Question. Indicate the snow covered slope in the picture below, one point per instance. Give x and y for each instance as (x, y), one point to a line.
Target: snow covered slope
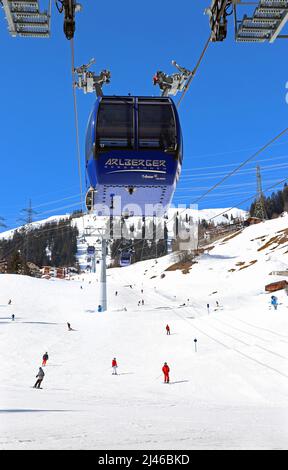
(230, 394)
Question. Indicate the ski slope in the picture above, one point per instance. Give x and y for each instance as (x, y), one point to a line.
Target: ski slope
(230, 394)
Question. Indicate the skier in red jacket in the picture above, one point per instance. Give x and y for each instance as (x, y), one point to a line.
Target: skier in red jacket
(114, 366)
(166, 370)
(168, 329)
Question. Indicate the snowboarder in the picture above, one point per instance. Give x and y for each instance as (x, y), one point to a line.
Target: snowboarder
(114, 366)
(40, 376)
(167, 329)
(45, 359)
(10, 302)
(13, 317)
(166, 370)
(69, 327)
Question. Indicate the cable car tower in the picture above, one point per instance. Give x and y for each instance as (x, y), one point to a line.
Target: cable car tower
(25, 18)
(264, 24)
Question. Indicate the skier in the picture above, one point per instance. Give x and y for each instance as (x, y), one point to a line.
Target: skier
(217, 304)
(208, 307)
(114, 366)
(40, 376)
(116, 293)
(142, 302)
(139, 303)
(167, 329)
(166, 370)
(45, 359)
(13, 317)
(99, 308)
(274, 302)
(141, 291)
(69, 327)
(10, 302)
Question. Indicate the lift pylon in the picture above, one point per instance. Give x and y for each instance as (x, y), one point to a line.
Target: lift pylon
(25, 19)
(265, 24)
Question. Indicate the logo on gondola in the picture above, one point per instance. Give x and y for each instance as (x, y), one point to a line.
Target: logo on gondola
(135, 163)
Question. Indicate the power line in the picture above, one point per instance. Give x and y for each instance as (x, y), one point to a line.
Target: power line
(230, 152)
(241, 165)
(247, 171)
(227, 186)
(249, 198)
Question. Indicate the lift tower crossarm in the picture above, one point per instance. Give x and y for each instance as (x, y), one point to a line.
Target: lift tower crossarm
(25, 19)
(266, 23)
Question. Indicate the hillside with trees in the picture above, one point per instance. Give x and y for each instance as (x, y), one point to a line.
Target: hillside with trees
(52, 244)
(274, 205)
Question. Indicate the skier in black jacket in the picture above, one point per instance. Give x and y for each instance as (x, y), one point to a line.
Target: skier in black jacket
(40, 376)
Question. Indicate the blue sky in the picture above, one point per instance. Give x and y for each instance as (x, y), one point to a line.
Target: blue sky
(235, 104)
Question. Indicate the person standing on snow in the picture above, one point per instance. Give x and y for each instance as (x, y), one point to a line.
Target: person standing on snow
(166, 370)
(114, 366)
(167, 329)
(40, 376)
(13, 317)
(45, 359)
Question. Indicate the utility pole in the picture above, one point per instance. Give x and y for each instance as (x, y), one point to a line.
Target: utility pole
(27, 218)
(259, 210)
